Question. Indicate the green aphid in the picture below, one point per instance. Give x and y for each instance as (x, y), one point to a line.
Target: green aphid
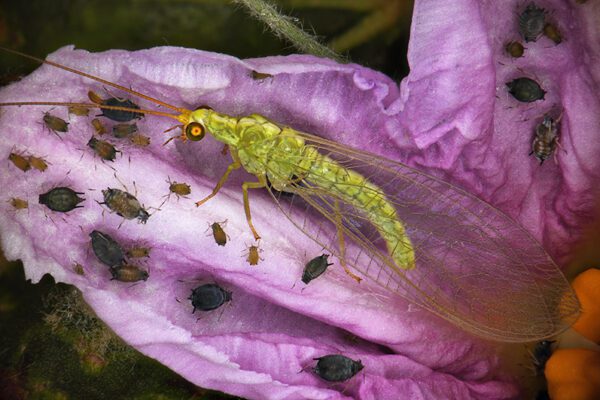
(123, 130)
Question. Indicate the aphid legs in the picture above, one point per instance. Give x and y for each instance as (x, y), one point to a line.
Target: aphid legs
(342, 242)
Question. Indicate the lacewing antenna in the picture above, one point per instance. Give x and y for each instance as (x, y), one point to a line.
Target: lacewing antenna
(180, 110)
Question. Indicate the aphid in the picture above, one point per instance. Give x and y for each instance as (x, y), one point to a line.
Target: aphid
(124, 204)
(116, 115)
(124, 130)
(180, 189)
(18, 204)
(336, 367)
(218, 233)
(552, 33)
(38, 163)
(541, 354)
(253, 256)
(515, 49)
(128, 273)
(138, 252)
(20, 162)
(61, 199)
(208, 297)
(106, 249)
(79, 111)
(78, 269)
(416, 236)
(139, 140)
(55, 124)
(98, 126)
(103, 149)
(259, 76)
(531, 22)
(546, 139)
(525, 90)
(315, 267)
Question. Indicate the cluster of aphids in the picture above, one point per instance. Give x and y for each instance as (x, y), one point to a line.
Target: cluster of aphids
(64, 199)
(534, 23)
(111, 254)
(123, 129)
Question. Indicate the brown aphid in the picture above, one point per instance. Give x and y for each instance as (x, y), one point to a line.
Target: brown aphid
(139, 140)
(128, 273)
(259, 76)
(95, 98)
(98, 126)
(55, 124)
(79, 111)
(179, 189)
(78, 269)
(552, 33)
(103, 149)
(123, 130)
(124, 204)
(514, 49)
(218, 233)
(20, 162)
(546, 139)
(18, 204)
(253, 256)
(38, 163)
(138, 252)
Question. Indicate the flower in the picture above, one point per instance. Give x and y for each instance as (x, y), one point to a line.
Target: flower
(451, 116)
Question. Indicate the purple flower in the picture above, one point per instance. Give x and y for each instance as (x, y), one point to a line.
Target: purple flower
(451, 117)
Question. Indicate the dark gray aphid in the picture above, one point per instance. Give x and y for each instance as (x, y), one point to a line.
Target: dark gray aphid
(531, 22)
(124, 204)
(128, 273)
(336, 367)
(315, 268)
(541, 354)
(208, 297)
(525, 90)
(61, 199)
(120, 115)
(107, 249)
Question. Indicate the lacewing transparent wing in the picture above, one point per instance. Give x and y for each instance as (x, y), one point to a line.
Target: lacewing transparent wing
(475, 266)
